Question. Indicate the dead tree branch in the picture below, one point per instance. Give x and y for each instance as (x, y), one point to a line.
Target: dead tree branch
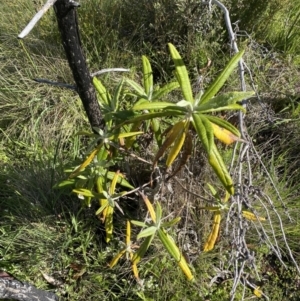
(66, 15)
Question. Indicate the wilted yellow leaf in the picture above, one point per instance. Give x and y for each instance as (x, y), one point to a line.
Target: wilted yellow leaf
(176, 130)
(116, 258)
(176, 148)
(149, 207)
(210, 243)
(252, 217)
(257, 292)
(224, 135)
(186, 153)
(89, 159)
(109, 223)
(135, 271)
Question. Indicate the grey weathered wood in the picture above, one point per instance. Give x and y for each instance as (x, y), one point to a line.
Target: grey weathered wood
(16, 290)
(36, 18)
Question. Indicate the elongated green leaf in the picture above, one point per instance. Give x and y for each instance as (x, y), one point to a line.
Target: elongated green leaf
(169, 244)
(103, 93)
(101, 208)
(114, 103)
(158, 105)
(224, 124)
(148, 116)
(213, 191)
(173, 250)
(181, 74)
(65, 183)
(204, 130)
(124, 135)
(216, 162)
(227, 101)
(219, 82)
(138, 223)
(142, 249)
(88, 193)
(84, 192)
(109, 223)
(171, 223)
(147, 76)
(138, 89)
(121, 116)
(233, 107)
(102, 154)
(140, 101)
(158, 212)
(147, 232)
(85, 133)
(121, 180)
(155, 125)
(157, 94)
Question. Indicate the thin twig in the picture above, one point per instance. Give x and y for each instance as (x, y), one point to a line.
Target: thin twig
(192, 193)
(56, 84)
(36, 18)
(109, 70)
(73, 87)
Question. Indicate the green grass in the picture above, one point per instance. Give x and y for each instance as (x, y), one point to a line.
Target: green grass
(46, 231)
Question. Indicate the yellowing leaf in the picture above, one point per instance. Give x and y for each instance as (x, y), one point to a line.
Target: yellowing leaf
(116, 258)
(252, 217)
(150, 208)
(176, 130)
(210, 243)
(128, 233)
(86, 162)
(227, 196)
(142, 250)
(135, 271)
(224, 135)
(114, 183)
(176, 148)
(186, 270)
(186, 153)
(257, 292)
(109, 223)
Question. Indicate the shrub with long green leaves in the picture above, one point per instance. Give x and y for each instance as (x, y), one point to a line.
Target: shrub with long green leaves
(92, 179)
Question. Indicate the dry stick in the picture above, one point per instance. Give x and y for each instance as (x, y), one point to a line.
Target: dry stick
(240, 239)
(73, 87)
(192, 193)
(109, 70)
(55, 84)
(36, 18)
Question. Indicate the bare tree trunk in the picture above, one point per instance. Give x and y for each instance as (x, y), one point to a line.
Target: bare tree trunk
(16, 290)
(67, 22)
